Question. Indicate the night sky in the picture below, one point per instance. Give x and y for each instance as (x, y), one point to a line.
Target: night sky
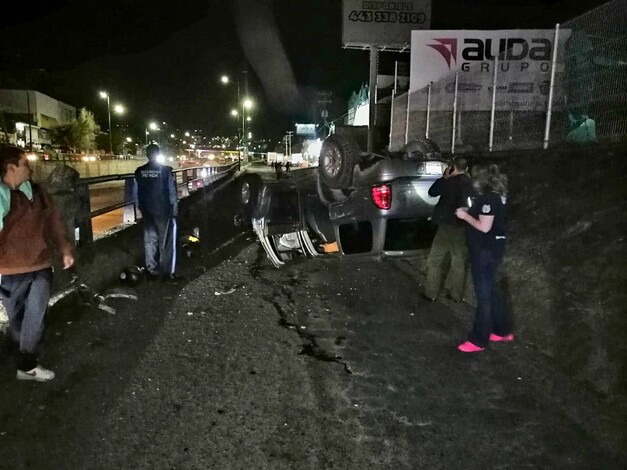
(163, 59)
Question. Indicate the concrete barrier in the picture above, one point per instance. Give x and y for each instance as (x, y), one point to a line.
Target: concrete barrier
(99, 263)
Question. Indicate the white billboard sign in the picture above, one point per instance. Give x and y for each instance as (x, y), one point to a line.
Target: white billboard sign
(523, 71)
(383, 23)
(305, 129)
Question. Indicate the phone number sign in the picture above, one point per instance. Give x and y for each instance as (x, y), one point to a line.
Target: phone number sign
(383, 24)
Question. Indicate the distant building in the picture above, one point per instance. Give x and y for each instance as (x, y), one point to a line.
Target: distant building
(27, 116)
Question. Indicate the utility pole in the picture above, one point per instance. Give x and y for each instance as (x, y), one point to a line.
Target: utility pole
(324, 98)
(288, 142)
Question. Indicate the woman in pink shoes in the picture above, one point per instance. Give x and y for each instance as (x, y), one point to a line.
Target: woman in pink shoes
(485, 235)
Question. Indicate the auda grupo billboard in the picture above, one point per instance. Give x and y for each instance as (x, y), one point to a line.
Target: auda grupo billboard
(523, 70)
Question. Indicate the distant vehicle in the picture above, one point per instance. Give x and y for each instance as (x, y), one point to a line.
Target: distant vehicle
(353, 204)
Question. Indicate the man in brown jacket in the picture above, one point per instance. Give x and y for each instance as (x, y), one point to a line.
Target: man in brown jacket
(30, 227)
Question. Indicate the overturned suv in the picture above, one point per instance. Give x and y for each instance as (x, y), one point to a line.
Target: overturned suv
(354, 203)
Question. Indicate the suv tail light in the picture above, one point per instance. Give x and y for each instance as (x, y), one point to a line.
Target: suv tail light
(382, 196)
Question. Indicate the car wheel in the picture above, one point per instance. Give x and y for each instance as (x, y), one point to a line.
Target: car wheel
(249, 193)
(338, 156)
(422, 149)
(329, 196)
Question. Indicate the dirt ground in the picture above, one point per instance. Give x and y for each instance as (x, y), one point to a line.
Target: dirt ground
(566, 259)
(564, 271)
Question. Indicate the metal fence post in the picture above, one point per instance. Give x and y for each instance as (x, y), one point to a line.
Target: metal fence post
(84, 232)
(496, 67)
(454, 113)
(428, 110)
(391, 118)
(407, 117)
(185, 183)
(130, 195)
(549, 111)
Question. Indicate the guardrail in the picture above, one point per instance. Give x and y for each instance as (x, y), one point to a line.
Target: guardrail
(188, 181)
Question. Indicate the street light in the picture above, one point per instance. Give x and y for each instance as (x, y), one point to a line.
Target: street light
(153, 127)
(246, 104)
(105, 95)
(118, 108)
(226, 80)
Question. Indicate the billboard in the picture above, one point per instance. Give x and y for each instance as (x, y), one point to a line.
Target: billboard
(383, 23)
(523, 71)
(305, 129)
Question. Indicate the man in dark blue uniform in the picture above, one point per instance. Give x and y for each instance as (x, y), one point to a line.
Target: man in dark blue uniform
(158, 202)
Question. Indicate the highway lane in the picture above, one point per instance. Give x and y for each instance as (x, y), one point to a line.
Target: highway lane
(103, 195)
(107, 194)
(110, 193)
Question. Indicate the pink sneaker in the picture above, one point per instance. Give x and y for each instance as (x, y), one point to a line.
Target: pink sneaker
(502, 339)
(469, 347)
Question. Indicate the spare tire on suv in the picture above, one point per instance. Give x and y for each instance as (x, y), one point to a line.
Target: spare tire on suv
(422, 149)
(338, 157)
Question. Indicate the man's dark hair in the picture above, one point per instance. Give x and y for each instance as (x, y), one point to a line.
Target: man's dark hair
(460, 164)
(152, 151)
(9, 154)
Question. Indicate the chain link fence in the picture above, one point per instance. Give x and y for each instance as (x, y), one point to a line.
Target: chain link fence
(579, 96)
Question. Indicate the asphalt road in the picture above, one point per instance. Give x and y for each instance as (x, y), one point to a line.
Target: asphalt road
(325, 363)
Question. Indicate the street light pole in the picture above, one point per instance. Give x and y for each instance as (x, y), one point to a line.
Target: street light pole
(241, 131)
(105, 95)
(153, 127)
(110, 130)
(244, 105)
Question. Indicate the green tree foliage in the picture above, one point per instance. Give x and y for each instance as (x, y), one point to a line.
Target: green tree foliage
(78, 134)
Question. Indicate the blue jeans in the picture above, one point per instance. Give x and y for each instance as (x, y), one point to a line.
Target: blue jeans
(160, 244)
(25, 297)
(490, 316)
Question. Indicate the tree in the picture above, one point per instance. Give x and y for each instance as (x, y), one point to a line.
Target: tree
(78, 134)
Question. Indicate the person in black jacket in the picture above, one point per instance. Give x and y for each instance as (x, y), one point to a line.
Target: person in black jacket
(454, 189)
(158, 202)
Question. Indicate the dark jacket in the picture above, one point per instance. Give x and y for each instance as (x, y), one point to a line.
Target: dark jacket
(454, 192)
(156, 190)
(31, 231)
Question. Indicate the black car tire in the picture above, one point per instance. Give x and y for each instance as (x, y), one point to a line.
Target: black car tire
(338, 157)
(329, 196)
(422, 149)
(249, 193)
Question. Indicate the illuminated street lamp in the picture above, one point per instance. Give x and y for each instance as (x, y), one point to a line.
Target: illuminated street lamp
(153, 127)
(118, 108)
(245, 104)
(105, 95)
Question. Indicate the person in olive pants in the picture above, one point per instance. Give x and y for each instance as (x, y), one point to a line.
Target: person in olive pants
(454, 189)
